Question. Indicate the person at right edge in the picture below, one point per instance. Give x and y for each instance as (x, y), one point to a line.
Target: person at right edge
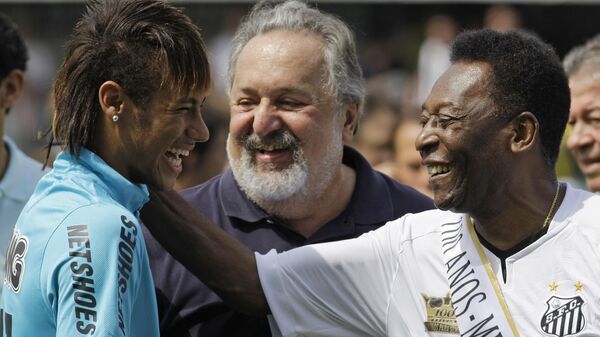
(296, 93)
(582, 65)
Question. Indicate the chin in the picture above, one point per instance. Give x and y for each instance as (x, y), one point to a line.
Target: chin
(449, 202)
(443, 205)
(441, 202)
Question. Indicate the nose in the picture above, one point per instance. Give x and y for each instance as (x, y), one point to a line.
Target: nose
(197, 130)
(426, 140)
(580, 136)
(266, 119)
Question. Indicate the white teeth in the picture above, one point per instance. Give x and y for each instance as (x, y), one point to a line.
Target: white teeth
(174, 161)
(178, 152)
(437, 169)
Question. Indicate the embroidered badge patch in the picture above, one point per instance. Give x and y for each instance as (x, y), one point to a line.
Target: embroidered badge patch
(564, 316)
(440, 314)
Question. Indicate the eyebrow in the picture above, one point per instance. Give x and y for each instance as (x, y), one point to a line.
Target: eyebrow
(314, 98)
(449, 105)
(280, 91)
(293, 91)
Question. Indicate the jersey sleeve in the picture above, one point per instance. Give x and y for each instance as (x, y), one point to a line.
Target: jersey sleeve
(90, 274)
(332, 289)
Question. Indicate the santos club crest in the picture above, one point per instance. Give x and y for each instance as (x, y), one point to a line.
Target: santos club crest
(563, 316)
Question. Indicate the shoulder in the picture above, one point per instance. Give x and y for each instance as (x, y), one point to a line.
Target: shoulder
(28, 166)
(219, 199)
(102, 221)
(577, 220)
(99, 223)
(582, 207)
(102, 227)
(101, 214)
(376, 186)
(205, 194)
(22, 173)
(58, 193)
(417, 225)
(406, 197)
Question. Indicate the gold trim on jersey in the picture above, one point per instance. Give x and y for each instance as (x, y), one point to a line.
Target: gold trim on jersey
(491, 276)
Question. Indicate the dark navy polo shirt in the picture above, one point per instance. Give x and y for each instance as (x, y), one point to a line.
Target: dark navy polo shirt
(188, 308)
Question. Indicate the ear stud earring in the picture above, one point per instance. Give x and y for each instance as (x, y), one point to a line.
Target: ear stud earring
(115, 118)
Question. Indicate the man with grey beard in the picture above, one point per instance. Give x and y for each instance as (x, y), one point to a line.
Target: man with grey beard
(296, 94)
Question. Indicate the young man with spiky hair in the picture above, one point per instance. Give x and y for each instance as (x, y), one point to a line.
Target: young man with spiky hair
(127, 105)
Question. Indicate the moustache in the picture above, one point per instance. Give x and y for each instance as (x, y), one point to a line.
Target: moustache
(272, 142)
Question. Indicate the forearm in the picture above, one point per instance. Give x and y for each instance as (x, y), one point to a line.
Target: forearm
(220, 261)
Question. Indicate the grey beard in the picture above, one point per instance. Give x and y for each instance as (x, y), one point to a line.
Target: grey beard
(270, 185)
(282, 192)
(263, 183)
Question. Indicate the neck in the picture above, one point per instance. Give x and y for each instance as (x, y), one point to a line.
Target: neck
(4, 157)
(310, 214)
(522, 215)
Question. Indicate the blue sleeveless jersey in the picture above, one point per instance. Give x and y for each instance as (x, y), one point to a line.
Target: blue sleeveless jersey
(77, 263)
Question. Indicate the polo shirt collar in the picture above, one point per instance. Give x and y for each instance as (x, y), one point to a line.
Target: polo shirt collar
(13, 180)
(371, 199)
(370, 203)
(235, 202)
(129, 195)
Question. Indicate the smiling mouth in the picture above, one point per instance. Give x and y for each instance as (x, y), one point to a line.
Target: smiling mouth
(272, 150)
(435, 170)
(281, 141)
(589, 161)
(268, 150)
(174, 156)
(270, 155)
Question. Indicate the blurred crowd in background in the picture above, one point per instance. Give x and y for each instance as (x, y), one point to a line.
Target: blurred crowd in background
(403, 49)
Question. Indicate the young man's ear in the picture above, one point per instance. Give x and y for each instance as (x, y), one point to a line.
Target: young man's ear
(525, 127)
(351, 116)
(11, 88)
(112, 98)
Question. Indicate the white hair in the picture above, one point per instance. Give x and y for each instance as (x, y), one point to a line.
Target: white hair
(581, 56)
(343, 78)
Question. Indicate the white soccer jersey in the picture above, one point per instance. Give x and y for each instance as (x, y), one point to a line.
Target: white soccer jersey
(392, 281)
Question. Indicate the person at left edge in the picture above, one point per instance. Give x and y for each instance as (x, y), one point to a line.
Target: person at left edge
(18, 173)
(127, 105)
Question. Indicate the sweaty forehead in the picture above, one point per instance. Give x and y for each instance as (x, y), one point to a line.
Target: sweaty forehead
(462, 83)
(469, 78)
